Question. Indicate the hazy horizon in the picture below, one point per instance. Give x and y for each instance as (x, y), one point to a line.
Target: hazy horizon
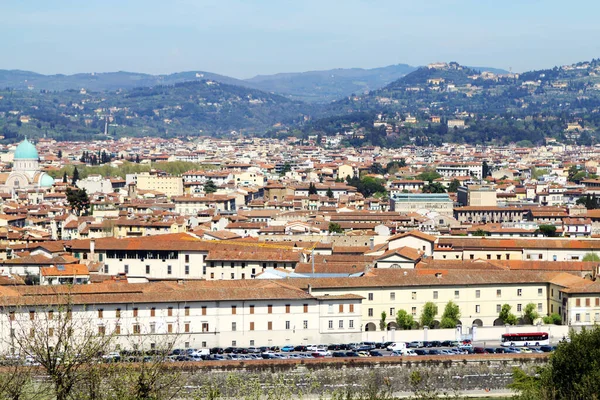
(243, 40)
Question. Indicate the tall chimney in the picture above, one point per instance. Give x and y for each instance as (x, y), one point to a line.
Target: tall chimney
(371, 243)
(92, 248)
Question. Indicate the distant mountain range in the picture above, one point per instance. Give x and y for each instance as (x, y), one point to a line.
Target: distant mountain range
(312, 86)
(443, 102)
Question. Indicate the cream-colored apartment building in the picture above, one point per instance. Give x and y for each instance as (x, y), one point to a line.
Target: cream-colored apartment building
(479, 294)
(190, 314)
(169, 185)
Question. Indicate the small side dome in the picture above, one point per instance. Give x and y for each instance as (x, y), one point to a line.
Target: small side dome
(26, 151)
(46, 181)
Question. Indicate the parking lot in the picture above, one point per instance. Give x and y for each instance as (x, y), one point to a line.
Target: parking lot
(365, 349)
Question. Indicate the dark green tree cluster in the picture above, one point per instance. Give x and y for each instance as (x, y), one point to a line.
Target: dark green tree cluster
(547, 230)
(454, 185)
(78, 201)
(590, 202)
(434, 187)
(94, 158)
(376, 168)
(367, 185)
(334, 227)
(210, 187)
(312, 189)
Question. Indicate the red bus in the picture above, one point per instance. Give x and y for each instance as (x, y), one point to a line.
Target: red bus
(525, 339)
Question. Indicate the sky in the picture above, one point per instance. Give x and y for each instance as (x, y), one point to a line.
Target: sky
(245, 38)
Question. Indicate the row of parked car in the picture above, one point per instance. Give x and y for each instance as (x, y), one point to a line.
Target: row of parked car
(471, 350)
(363, 349)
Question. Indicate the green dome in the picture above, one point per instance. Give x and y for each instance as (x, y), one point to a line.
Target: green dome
(46, 181)
(26, 151)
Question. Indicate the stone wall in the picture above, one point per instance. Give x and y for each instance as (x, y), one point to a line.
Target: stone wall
(380, 378)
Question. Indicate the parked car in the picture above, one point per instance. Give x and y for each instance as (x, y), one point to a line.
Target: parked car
(364, 348)
(351, 354)
(371, 345)
(536, 350)
(512, 350)
(421, 352)
(216, 350)
(526, 350)
(317, 354)
(490, 350)
(363, 354)
(446, 352)
(479, 350)
(500, 350)
(287, 348)
(436, 343)
(397, 346)
(434, 352)
(199, 353)
(446, 343)
(229, 350)
(324, 352)
(375, 353)
(415, 344)
(338, 354)
(409, 352)
(311, 347)
(253, 350)
(546, 349)
(396, 353)
(300, 348)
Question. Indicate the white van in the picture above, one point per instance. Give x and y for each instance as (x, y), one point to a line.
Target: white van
(200, 353)
(397, 346)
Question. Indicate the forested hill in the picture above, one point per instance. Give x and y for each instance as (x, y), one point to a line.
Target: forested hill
(443, 102)
(479, 107)
(312, 86)
(188, 108)
(102, 82)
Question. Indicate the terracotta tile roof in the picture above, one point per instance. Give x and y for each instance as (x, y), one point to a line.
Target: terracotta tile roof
(415, 233)
(459, 243)
(330, 268)
(406, 252)
(65, 270)
(110, 292)
(440, 277)
(252, 255)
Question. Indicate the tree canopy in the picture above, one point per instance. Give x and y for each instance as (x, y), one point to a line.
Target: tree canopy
(404, 320)
(506, 316)
(451, 315)
(573, 371)
(428, 314)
